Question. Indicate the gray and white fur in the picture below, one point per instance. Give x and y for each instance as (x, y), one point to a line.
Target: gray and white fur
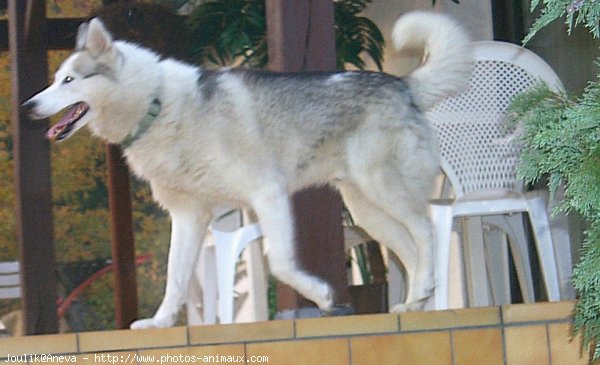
(252, 138)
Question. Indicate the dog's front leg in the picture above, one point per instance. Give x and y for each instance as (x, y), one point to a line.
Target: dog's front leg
(188, 226)
(273, 208)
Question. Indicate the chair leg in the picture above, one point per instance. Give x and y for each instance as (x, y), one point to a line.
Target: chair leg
(441, 216)
(538, 214)
(229, 246)
(208, 270)
(226, 261)
(496, 258)
(193, 304)
(559, 226)
(478, 283)
(512, 225)
(259, 282)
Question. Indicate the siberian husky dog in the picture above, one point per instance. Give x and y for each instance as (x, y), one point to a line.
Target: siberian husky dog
(252, 138)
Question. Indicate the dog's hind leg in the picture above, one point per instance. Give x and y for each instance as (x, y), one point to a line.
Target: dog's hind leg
(273, 208)
(387, 231)
(407, 209)
(188, 226)
(394, 169)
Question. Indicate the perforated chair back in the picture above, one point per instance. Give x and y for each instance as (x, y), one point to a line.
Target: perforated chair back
(476, 145)
(9, 280)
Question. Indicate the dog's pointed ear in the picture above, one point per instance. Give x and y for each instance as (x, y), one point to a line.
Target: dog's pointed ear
(81, 36)
(98, 40)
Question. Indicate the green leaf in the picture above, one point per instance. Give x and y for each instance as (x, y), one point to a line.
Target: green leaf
(226, 30)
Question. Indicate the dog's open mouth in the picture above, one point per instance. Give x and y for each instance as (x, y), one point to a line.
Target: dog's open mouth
(64, 126)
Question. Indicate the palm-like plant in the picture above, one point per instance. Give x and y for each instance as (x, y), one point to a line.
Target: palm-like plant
(229, 30)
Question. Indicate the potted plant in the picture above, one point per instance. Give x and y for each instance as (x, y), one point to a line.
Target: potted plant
(372, 295)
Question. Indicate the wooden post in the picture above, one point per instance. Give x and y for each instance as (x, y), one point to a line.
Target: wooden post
(122, 238)
(301, 38)
(29, 74)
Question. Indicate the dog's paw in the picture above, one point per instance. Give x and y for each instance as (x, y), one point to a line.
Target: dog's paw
(325, 300)
(150, 323)
(409, 307)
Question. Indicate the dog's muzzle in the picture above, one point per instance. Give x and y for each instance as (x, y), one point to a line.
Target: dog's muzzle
(28, 108)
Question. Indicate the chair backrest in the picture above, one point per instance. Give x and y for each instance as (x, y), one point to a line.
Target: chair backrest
(9, 280)
(476, 147)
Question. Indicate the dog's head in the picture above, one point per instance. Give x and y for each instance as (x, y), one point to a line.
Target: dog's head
(82, 83)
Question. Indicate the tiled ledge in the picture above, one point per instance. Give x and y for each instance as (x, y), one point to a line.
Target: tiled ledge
(511, 335)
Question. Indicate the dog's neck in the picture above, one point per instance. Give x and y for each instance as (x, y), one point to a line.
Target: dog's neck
(144, 124)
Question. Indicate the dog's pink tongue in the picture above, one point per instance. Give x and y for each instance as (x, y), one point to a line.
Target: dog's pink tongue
(63, 123)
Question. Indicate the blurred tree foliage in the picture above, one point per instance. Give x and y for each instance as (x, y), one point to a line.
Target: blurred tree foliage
(81, 216)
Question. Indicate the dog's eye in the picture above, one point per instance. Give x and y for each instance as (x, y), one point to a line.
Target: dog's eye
(67, 79)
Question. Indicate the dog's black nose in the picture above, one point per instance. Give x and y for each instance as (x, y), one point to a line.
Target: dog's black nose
(28, 106)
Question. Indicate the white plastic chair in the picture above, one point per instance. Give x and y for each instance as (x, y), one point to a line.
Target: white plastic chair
(10, 282)
(480, 156)
(216, 273)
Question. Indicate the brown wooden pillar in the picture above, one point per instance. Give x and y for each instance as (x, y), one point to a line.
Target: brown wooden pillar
(508, 22)
(29, 74)
(301, 37)
(122, 238)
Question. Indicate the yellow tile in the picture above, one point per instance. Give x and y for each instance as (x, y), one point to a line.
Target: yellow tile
(132, 339)
(423, 348)
(564, 348)
(121, 357)
(47, 344)
(514, 313)
(348, 325)
(411, 321)
(478, 346)
(272, 330)
(322, 351)
(193, 355)
(526, 345)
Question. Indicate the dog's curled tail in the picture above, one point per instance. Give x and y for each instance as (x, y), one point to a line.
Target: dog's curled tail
(446, 63)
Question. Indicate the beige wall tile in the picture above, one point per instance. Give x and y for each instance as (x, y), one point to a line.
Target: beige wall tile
(122, 357)
(478, 346)
(47, 344)
(526, 345)
(411, 321)
(193, 355)
(564, 348)
(272, 330)
(303, 352)
(516, 313)
(132, 339)
(349, 325)
(410, 349)
(44, 358)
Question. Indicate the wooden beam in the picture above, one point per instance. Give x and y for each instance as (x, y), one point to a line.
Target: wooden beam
(301, 38)
(59, 33)
(29, 74)
(42, 35)
(508, 21)
(122, 238)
